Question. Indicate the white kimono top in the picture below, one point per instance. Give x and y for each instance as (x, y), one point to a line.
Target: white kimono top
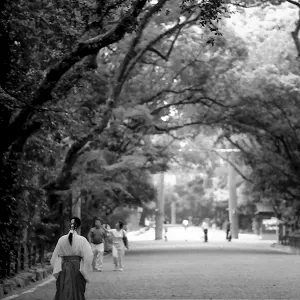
(80, 247)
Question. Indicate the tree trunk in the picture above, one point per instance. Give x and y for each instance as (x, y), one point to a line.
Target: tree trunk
(233, 214)
(160, 213)
(76, 204)
(173, 212)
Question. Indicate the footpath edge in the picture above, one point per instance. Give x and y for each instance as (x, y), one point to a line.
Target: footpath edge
(21, 280)
(286, 249)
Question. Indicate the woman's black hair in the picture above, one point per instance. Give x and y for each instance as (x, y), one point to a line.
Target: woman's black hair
(73, 226)
(121, 224)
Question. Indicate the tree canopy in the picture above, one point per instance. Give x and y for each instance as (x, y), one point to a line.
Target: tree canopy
(96, 96)
(72, 119)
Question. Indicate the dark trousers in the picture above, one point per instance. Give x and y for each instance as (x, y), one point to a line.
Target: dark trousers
(70, 284)
(205, 235)
(228, 235)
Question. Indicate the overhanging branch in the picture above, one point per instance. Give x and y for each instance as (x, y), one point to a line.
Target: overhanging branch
(295, 33)
(187, 124)
(167, 56)
(234, 166)
(83, 49)
(153, 42)
(121, 76)
(158, 53)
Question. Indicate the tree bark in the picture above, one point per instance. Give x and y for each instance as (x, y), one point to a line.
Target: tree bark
(160, 213)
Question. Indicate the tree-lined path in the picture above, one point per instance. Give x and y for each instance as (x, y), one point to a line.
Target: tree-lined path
(98, 97)
(193, 270)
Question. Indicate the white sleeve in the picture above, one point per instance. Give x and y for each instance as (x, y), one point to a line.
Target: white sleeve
(87, 258)
(110, 231)
(56, 259)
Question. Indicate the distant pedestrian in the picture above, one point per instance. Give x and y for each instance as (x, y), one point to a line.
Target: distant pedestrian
(96, 237)
(205, 230)
(147, 223)
(228, 232)
(119, 244)
(71, 262)
(185, 224)
(166, 230)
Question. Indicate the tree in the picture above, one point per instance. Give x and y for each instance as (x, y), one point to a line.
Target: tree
(52, 46)
(265, 125)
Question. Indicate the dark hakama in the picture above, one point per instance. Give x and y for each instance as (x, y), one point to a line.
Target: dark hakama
(70, 284)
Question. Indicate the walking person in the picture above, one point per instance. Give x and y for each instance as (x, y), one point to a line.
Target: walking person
(185, 224)
(71, 262)
(166, 230)
(119, 244)
(228, 232)
(205, 230)
(96, 237)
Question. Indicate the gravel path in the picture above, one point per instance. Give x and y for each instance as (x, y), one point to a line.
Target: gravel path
(193, 270)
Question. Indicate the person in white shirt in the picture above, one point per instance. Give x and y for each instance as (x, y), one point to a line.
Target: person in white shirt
(205, 230)
(72, 264)
(185, 224)
(119, 244)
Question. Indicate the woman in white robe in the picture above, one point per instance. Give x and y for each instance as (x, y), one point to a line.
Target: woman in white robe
(72, 263)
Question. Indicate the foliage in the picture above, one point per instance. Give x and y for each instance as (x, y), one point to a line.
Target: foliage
(48, 83)
(264, 125)
(96, 96)
(127, 138)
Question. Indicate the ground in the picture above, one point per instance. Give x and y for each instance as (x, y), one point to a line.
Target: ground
(243, 269)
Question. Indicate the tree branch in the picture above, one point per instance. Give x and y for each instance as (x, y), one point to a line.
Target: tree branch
(176, 127)
(103, 13)
(294, 2)
(181, 164)
(6, 97)
(169, 88)
(83, 49)
(173, 42)
(141, 53)
(121, 77)
(167, 56)
(295, 33)
(234, 166)
(275, 167)
(68, 81)
(66, 177)
(158, 53)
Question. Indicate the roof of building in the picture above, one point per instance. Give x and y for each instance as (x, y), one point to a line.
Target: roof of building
(264, 208)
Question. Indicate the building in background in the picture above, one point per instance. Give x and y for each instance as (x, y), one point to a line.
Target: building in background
(261, 220)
